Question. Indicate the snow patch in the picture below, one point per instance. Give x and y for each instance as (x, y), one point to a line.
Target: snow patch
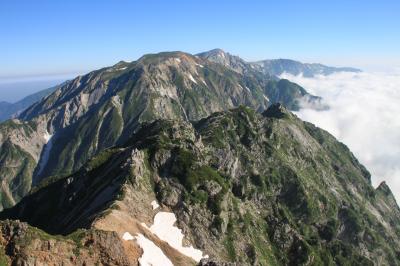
(47, 136)
(154, 204)
(178, 60)
(199, 65)
(164, 228)
(46, 151)
(191, 78)
(152, 254)
(113, 69)
(265, 97)
(127, 236)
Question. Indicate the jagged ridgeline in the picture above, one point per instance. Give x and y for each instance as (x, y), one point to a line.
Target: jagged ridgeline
(58, 134)
(250, 188)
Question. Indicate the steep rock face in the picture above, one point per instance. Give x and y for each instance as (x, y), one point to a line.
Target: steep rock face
(101, 109)
(21, 145)
(231, 61)
(97, 110)
(277, 90)
(247, 188)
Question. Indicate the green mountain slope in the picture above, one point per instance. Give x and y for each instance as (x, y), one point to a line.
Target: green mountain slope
(250, 188)
(101, 109)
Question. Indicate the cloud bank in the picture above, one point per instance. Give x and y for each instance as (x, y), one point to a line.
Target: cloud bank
(365, 115)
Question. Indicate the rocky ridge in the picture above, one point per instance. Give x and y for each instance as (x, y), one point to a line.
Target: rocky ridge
(101, 109)
(246, 188)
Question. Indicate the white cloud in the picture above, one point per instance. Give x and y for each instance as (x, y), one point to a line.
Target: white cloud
(365, 115)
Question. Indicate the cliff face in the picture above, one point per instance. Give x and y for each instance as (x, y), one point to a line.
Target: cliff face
(244, 187)
(58, 134)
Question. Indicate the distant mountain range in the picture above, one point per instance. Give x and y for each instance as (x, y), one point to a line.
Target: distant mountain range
(279, 66)
(274, 67)
(196, 159)
(7, 110)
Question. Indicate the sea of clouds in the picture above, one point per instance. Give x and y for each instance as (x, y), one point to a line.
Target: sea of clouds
(365, 115)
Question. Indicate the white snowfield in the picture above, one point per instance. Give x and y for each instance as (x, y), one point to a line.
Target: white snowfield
(154, 204)
(46, 151)
(164, 228)
(112, 69)
(127, 236)
(178, 60)
(47, 136)
(191, 78)
(152, 255)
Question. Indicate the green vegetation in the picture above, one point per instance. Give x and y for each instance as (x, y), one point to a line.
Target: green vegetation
(190, 174)
(4, 261)
(269, 190)
(229, 241)
(100, 158)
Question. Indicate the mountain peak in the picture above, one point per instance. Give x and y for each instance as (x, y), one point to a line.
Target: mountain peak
(216, 55)
(385, 190)
(214, 51)
(169, 57)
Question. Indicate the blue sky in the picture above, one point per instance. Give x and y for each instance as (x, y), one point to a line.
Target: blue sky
(50, 38)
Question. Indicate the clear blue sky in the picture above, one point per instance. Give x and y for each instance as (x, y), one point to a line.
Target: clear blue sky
(67, 37)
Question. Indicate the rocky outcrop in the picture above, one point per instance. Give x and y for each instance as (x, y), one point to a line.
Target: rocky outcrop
(246, 189)
(26, 245)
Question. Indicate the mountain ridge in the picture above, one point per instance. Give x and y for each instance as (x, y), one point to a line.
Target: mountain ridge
(270, 186)
(280, 66)
(273, 67)
(197, 158)
(100, 109)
